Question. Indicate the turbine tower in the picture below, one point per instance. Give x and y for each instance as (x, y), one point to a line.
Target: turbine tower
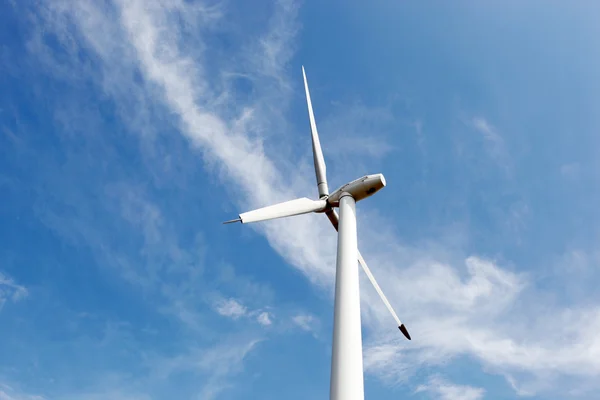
(346, 359)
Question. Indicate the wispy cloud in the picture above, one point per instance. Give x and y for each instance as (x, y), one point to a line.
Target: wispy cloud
(441, 389)
(304, 321)
(484, 317)
(224, 363)
(10, 393)
(311, 324)
(488, 132)
(10, 291)
(231, 308)
(218, 364)
(264, 318)
(137, 237)
(494, 142)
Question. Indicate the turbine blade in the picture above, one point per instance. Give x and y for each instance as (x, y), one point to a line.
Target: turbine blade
(334, 219)
(280, 210)
(401, 326)
(319, 160)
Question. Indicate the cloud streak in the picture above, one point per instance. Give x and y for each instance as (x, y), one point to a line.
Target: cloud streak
(10, 291)
(10, 393)
(444, 390)
(231, 308)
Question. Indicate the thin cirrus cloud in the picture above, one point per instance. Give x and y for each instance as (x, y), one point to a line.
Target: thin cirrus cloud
(10, 290)
(8, 392)
(264, 318)
(231, 308)
(304, 321)
(455, 304)
(234, 309)
(493, 141)
(441, 389)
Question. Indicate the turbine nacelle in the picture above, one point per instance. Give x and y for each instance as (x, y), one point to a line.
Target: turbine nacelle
(359, 189)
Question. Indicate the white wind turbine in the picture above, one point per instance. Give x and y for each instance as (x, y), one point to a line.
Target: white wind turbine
(346, 362)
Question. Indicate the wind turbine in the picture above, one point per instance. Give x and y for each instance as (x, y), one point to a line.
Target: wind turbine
(346, 361)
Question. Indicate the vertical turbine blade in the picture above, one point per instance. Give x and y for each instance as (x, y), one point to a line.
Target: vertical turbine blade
(320, 169)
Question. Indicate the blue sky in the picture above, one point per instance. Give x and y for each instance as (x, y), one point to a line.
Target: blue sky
(129, 130)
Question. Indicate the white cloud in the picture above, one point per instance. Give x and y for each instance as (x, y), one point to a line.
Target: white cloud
(494, 141)
(488, 132)
(8, 392)
(218, 364)
(443, 390)
(223, 363)
(202, 371)
(214, 370)
(306, 322)
(231, 308)
(303, 321)
(484, 316)
(264, 318)
(10, 291)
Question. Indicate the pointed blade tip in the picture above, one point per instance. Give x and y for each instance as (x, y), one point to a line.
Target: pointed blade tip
(404, 331)
(232, 221)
